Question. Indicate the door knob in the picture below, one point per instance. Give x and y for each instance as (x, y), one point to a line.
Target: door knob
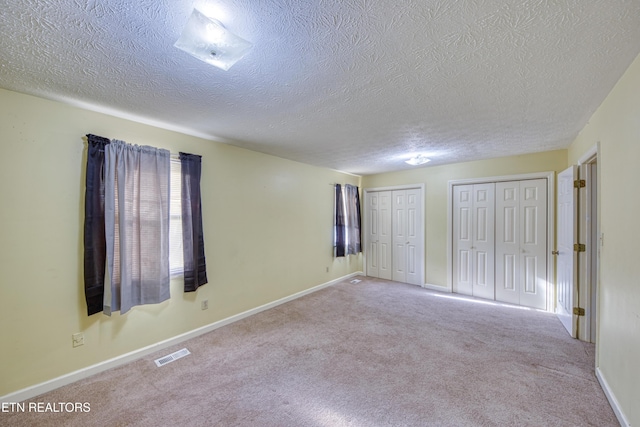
(555, 252)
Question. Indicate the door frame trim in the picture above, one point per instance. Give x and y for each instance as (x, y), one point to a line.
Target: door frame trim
(585, 264)
(551, 209)
(365, 223)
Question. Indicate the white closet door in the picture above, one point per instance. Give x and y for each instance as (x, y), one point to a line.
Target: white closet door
(483, 250)
(379, 234)
(395, 236)
(521, 242)
(462, 239)
(406, 229)
(372, 250)
(508, 241)
(414, 234)
(399, 227)
(533, 244)
(384, 235)
(473, 239)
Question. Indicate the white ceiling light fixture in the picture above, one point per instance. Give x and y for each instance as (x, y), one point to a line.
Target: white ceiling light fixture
(209, 41)
(417, 160)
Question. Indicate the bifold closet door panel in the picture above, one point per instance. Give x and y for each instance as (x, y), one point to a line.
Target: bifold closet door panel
(521, 242)
(508, 242)
(399, 229)
(379, 235)
(414, 234)
(533, 244)
(483, 250)
(462, 239)
(473, 239)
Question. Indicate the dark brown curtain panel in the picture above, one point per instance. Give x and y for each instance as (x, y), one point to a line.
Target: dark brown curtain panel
(94, 231)
(195, 267)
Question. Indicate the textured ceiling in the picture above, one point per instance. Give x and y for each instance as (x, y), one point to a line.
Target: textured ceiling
(353, 85)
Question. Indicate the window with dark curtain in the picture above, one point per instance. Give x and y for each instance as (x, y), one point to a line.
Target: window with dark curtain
(95, 247)
(347, 220)
(195, 268)
(101, 232)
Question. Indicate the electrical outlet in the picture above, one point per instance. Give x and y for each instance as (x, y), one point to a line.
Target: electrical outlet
(204, 304)
(77, 339)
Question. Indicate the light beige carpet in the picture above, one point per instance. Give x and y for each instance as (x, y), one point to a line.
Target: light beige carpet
(370, 354)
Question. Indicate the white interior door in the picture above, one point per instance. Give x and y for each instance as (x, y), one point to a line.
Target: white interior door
(587, 268)
(483, 251)
(591, 222)
(566, 259)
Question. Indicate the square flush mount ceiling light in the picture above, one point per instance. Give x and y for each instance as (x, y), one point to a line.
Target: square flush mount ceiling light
(208, 40)
(417, 160)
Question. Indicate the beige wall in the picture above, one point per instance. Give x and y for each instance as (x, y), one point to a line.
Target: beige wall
(616, 126)
(436, 186)
(268, 234)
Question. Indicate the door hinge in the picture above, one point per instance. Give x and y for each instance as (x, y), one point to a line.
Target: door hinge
(578, 311)
(579, 183)
(579, 247)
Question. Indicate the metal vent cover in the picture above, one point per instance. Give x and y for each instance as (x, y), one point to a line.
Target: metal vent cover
(171, 357)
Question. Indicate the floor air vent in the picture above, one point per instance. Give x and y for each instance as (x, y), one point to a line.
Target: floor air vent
(171, 357)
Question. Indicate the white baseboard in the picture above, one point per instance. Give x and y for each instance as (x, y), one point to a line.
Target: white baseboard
(612, 399)
(38, 389)
(436, 287)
